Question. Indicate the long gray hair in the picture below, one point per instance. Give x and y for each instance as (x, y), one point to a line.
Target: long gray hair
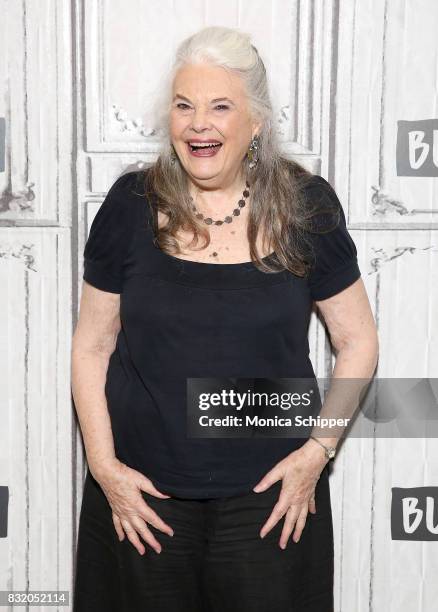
(276, 183)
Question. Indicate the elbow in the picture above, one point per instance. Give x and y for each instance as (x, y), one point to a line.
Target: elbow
(97, 347)
(365, 345)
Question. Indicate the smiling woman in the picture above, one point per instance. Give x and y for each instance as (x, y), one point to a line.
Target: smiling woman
(201, 121)
(217, 119)
(240, 524)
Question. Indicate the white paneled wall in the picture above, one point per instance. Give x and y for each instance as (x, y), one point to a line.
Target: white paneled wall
(78, 80)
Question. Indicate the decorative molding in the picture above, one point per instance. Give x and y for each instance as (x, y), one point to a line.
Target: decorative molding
(23, 253)
(296, 43)
(120, 116)
(18, 201)
(383, 203)
(383, 257)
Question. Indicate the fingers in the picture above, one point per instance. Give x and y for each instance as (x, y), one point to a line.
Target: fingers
(146, 512)
(268, 480)
(133, 531)
(274, 475)
(150, 516)
(148, 486)
(118, 526)
(312, 504)
(299, 525)
(278, 511)
(295, 517)
(136, 525)
(288, 526)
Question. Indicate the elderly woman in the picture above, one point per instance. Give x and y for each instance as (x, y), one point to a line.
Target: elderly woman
(171, 522)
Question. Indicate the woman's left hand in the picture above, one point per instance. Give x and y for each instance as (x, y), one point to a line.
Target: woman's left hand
(299, 471)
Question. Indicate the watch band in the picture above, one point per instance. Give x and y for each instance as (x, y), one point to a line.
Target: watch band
(330, 451)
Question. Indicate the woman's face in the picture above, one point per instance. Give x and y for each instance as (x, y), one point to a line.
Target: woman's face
(210, 104)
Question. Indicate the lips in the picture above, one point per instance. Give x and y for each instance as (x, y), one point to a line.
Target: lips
(203, 148)
(204, 144)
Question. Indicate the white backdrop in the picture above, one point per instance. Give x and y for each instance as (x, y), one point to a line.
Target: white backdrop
(78, 81)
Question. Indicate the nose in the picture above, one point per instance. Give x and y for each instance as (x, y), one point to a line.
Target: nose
(200, 120)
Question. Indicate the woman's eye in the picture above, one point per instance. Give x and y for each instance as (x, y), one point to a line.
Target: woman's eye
(184, 106)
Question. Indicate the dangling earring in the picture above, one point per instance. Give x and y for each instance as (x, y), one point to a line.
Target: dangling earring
(253, 155)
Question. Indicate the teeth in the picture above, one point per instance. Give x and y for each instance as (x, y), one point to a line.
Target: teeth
(199, 145)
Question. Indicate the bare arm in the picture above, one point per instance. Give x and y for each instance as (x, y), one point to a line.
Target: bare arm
(353, 335)
(352, 331)
(93, 343)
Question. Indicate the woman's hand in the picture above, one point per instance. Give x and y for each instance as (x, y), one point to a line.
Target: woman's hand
(300, 471)
(122, 485)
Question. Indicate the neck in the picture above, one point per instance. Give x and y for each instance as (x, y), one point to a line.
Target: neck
(215, 197)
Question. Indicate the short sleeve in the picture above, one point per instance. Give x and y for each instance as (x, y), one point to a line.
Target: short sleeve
(334, 264)
(109, 239)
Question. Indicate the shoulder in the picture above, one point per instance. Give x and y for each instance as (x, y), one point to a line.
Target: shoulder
(323, 209)
(317, 188)
(111, 233)
(119, 214)
(124, 201)
(334, 253)
(128, 185)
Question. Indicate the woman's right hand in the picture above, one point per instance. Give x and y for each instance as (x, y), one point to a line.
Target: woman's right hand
(122, 486)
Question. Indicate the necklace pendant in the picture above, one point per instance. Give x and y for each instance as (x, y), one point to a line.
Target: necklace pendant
(228, 219)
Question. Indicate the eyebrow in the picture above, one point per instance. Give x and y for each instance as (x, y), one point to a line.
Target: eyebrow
(213, 101)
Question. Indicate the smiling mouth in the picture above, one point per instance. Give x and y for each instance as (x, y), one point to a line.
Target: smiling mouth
(204, 150)
(209, 146)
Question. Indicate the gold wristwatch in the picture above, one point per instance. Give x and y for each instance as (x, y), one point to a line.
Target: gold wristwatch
(330, 451)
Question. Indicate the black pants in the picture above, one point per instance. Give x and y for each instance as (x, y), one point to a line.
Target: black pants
(215, 562)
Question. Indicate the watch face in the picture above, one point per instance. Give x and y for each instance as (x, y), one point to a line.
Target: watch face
(331, 453)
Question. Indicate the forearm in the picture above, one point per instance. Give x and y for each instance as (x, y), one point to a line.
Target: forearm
(88, 376)
(354, 367)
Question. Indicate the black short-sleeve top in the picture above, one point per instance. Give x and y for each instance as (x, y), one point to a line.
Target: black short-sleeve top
(184, 319)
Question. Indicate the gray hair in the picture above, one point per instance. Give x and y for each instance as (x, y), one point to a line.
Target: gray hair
(232, 50)
(277, 198)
